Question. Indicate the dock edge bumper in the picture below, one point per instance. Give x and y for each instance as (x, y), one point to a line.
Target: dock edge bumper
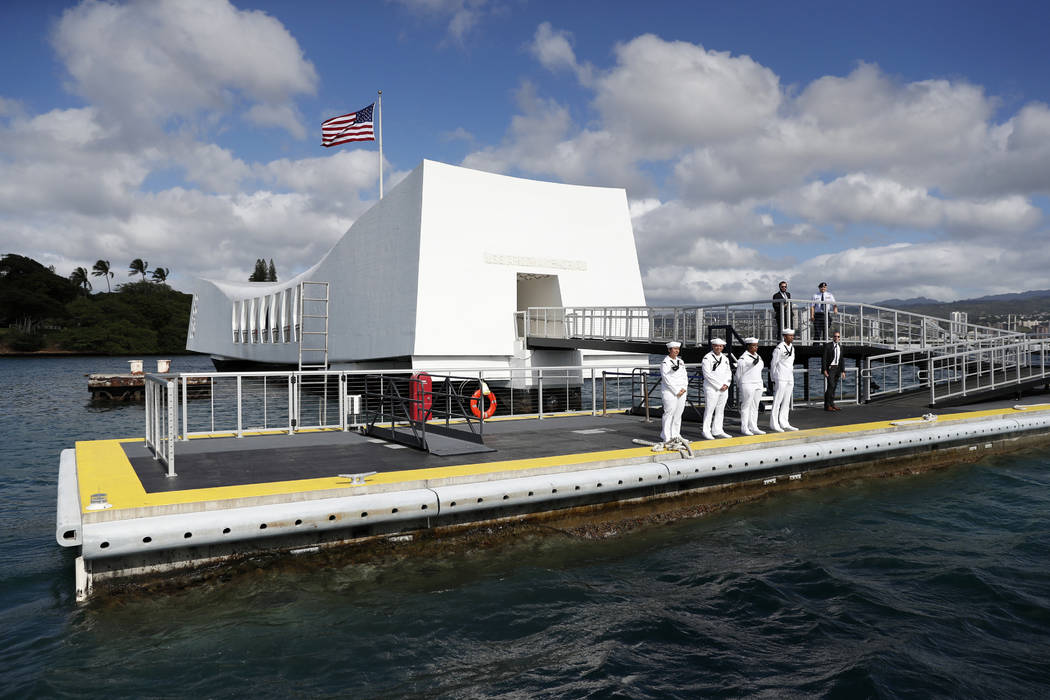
(68, 525)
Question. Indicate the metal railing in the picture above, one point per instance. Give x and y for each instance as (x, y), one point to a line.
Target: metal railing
(161, 393)
(405, 409)
(236, 404)
(957, 369)
(985, 369)
(212, 404)
(858, 323)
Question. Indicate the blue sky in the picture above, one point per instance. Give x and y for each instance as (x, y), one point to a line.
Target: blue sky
(897, 148)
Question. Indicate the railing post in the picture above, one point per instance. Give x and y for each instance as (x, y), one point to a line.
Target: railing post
(539, 395)
(240, 428)
(865, 389)
(149, 413)
(965, 362)
(929, 378)
(594, 397)
(605, 398)
(481, 402)
(186, 423)
(291, 403)
(170, 439)
(342, 402)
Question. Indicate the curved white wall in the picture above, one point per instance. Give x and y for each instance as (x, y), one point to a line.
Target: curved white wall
(431, 271)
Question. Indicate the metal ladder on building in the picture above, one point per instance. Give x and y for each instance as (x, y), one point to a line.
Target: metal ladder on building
(313, 326)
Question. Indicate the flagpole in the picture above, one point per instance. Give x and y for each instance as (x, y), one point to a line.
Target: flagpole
(379, 105)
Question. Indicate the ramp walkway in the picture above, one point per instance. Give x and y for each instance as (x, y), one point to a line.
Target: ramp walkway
(897, 351)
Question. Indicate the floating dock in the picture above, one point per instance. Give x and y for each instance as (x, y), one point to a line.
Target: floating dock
(131, 385)
(234, 497)
(520, 393)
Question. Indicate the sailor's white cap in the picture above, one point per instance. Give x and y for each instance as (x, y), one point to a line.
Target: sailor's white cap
(717, 341)
(750, 340)
(674, 344)
(788, 331)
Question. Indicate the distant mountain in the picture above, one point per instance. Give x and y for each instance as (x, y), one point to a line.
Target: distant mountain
(914, 301)
(1023, 303)
(1016, 296)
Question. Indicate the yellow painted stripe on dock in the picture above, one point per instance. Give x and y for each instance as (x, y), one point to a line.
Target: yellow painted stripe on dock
(103, 466)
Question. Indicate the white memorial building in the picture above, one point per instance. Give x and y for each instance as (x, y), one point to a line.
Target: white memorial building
(432, 277)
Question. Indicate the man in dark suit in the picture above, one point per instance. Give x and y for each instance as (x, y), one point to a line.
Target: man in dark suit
(781, 310)
(833, 366)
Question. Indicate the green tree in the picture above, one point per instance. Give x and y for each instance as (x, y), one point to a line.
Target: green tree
(141, 318)
(160, 274)
(259, 273)
(79, 277)
(139, 267)
(101, 269)
(271, 273)
(31, 294)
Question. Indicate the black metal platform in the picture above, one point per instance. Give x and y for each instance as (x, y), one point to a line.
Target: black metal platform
(228, 461)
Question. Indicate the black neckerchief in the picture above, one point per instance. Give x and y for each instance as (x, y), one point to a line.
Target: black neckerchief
(717, 362)
(790, 350)
(675, 364)
(754, 359)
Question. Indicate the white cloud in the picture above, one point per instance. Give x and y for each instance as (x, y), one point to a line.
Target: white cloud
(335, 182)
(941, 269)
(458, 134)
(676, 94)
(462, 15)
(858, 198)
(144, 64)
(734, 181)
(212, 167)
(285, 116)
(116, 179)
(752, 163)
(553, 49)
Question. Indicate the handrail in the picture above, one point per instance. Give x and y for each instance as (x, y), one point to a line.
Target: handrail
(867, 324)
(791, 302)
(239, 403)
(974, 366)
(979, 368)
(161, 402)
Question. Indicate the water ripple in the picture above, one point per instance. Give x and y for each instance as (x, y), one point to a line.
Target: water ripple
(933, 585)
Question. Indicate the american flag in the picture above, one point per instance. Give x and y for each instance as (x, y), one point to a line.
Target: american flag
(356, 126)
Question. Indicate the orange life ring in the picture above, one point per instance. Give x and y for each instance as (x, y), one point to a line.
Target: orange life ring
(474, 404)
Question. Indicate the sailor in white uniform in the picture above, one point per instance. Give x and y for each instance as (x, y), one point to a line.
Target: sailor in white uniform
(674, 386)
(749, 385)
(781, 369)
(718, 373)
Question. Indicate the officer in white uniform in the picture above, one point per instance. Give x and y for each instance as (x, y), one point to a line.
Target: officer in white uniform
(718, 373)
(781, 369)
(749, 385)
(674, 386)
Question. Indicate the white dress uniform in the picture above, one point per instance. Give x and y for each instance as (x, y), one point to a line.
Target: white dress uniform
(674, 378)
(781, 369)
(749, 384)
(717, 373)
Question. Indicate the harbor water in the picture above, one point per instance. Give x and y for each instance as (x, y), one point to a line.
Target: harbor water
(930, 585)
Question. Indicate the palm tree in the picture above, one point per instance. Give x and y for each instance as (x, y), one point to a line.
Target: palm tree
(138, 267)
(160, 274)
(101, 269)
(79, 277)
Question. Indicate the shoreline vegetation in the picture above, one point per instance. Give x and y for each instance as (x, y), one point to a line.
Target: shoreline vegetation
(44, 314)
